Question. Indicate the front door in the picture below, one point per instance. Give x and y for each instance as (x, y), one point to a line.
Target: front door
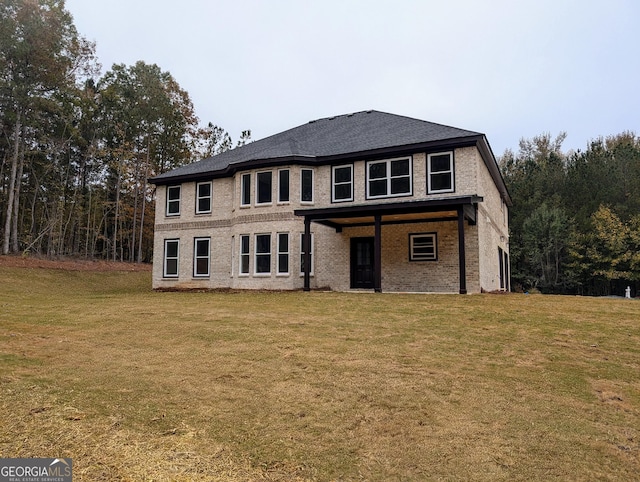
(362, 269)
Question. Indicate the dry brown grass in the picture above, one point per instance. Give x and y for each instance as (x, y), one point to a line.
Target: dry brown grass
(137, 385)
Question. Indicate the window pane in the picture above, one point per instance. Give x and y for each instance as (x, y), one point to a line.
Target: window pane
(423, 247)
(263, 263)
(202, 247)
(246, 189)
(400, 185)
(283, 263)
(263, 243)
(202, 266)
(400, 168)
(378, 170)
(307, 186)
(283, 243)
(244, 263)
(172, 267)
(343, 191)
(204, 190)
(440, 163)
(378, 188)
(342, 174)
(204, 205)
(441, 182)
(173, 207)
(264, 187)
(173, 193)
(172, 249)
(244, 244)
(283, 193)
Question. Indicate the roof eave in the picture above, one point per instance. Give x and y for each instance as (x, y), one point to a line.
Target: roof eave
(492, 165)
(382, 152)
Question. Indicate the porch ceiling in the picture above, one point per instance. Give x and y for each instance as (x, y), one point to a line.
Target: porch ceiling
(443, 209)
(391, 219)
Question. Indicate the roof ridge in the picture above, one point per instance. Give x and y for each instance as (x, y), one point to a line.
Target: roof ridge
(351, 114)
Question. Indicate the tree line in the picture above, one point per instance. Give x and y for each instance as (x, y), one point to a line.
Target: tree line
(575, 219)
(77, 147)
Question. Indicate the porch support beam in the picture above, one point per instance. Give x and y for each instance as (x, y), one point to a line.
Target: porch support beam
(377, 254)
(306, 246)
(461, 252)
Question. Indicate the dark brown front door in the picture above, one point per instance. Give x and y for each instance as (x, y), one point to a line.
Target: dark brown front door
(362, 269)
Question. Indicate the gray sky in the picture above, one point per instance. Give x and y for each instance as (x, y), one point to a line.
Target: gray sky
(507, 68)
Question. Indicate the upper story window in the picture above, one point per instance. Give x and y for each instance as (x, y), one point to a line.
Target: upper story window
(389, 178)
(342, 183)
(283, 186)
(203, 197)
(173, 200)
(306, 185)
(245, 190)
(264, 187)
(440, 173)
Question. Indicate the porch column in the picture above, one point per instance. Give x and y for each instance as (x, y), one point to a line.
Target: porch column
(306, 247)
(377, 255)
(461, 252)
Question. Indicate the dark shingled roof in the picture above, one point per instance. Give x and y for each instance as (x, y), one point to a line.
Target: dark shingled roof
(322, 140)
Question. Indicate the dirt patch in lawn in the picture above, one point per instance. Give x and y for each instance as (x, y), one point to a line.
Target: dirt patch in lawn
(70, 264)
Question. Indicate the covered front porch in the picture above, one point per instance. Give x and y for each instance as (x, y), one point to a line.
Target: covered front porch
(443, 210)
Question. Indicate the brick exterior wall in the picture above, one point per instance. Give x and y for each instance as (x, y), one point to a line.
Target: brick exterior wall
(331, 251)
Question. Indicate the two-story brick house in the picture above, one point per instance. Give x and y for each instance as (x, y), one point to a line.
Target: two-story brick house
(368, 200)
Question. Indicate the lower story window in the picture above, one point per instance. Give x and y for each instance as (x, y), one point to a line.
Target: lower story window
(283, 253)
(423, 247)
(171, 257)
(302, 255)
(244, 254)
(201, 257)
(263, 254)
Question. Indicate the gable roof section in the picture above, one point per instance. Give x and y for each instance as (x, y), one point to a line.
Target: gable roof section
(361, 134)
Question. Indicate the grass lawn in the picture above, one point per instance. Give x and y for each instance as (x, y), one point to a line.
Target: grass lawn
(138, 385)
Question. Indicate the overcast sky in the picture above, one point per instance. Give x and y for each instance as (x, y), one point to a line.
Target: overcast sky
(507, 68)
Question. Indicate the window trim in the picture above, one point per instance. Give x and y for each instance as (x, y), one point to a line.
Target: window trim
(302, 254)
(170, 201)
(280, 172)
(270, 201)
(209, 197)
(286, 253)
(302, 171)
(196, 257)
(245, 191)
(388, 177)
(334, 184)
(165, 259)
(419, 258)
(243, 254)
(256, 254)
(451, 171)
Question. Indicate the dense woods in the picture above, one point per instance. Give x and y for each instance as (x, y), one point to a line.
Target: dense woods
(78, 147)
(575, 220)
